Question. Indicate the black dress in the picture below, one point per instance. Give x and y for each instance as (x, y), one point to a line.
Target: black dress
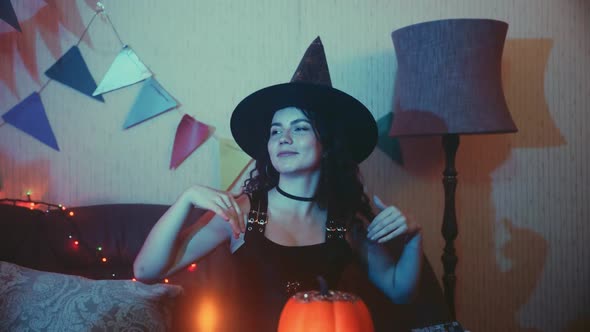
(270, 273)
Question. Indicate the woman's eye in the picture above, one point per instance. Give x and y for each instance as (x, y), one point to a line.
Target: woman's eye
(301, 129)
(273, 132)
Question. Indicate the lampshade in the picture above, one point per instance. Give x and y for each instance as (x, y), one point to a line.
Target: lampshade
(449, 78)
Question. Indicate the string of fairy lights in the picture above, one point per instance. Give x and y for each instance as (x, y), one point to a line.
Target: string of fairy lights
(73, 237)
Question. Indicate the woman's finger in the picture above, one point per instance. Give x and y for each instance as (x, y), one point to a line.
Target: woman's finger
(391, 226)
(379, 219)
(229, 215)
(239, 215)
(219, 211)
(383, 218)
(226, 200)
(379, 203)
(226, 204)
(392, 235)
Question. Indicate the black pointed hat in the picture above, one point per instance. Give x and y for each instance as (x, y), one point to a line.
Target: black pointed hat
(310, 89)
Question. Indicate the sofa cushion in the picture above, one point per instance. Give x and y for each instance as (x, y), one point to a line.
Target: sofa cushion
(41, 240)
(36, 300)
(118, 229)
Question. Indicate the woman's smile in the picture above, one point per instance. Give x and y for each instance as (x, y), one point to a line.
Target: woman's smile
(286, 154)
(293, 146)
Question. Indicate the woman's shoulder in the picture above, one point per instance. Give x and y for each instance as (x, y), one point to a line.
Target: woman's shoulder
(243, 200)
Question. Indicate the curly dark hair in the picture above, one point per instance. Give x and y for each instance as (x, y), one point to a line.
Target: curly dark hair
(340, 186)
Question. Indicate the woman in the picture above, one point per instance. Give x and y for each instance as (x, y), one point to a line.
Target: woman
(302, 212)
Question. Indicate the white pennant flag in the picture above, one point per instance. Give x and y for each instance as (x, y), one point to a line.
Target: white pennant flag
(126, 70)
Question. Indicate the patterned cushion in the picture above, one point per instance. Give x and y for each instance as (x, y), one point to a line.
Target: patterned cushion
(33, 300)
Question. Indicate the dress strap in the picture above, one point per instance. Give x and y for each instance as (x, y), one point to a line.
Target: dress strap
(257, 216)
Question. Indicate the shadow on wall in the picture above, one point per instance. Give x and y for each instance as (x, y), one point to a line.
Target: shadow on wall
(523, 76)
(421, 156)
(44, 21)
(489, 296)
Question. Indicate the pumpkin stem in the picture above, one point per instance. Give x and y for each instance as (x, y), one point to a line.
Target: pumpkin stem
(323, 285)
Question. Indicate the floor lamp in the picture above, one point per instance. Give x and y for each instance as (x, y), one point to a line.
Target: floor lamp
(449, 83)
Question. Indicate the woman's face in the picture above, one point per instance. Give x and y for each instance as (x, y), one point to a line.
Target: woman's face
(293, 145)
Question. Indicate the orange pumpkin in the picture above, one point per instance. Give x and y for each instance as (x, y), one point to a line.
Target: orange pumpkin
(325, 311)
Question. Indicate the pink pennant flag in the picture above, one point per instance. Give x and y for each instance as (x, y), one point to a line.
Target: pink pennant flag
(190, 134)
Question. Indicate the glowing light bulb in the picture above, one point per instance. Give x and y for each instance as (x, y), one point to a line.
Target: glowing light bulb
(207, 314)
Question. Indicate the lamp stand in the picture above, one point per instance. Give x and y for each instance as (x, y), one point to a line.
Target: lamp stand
(449, 230)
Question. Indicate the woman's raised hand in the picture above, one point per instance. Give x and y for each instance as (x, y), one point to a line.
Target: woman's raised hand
(222, 203)
(389, 223)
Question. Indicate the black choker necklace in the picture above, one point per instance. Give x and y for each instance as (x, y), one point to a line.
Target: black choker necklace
(297, 198)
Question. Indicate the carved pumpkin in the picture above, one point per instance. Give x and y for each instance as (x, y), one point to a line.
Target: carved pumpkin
(325, 311)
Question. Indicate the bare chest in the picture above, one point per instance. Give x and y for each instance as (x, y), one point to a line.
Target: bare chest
(290, 231)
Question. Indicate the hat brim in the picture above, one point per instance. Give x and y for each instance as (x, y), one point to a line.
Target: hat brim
(352, 122)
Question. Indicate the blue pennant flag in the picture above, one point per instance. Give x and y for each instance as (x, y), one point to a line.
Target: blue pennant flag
(152, 100)
(29, 116)
(389, 145)
(8, 15)
(72, 71)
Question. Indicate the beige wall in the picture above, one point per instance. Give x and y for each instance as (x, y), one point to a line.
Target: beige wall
(521, 199)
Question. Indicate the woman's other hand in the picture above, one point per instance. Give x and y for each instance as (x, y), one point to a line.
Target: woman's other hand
(390, 223)
(222, 203)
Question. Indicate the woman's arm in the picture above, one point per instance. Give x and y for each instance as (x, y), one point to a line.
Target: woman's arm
(397, 279)
(166, 249)
(396, 276)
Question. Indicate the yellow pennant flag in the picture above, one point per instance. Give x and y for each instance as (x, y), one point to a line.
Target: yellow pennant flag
(233, 162)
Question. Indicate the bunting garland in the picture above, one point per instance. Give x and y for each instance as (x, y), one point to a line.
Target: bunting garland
(29, 116)
(126, 69)
(152, 100)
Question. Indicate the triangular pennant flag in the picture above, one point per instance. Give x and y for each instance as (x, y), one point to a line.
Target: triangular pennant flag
(190, 134)
(125, 70)
(72, 71)
(152, 100)
(8, 15)
(389, 145)
(232, 162)
(29, 116)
